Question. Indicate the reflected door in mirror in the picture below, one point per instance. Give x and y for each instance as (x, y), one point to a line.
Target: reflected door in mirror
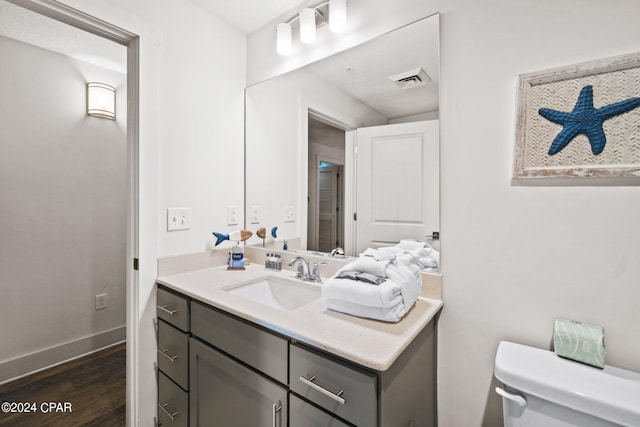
(397, 183)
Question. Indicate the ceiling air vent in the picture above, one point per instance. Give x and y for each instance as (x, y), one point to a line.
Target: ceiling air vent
(410, 79)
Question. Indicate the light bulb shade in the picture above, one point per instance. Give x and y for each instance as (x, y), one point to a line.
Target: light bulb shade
(337, 15)
(101, 100)
(284, 42)
(307, 25)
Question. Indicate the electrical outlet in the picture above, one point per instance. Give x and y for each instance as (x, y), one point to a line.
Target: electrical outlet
(101, 301)
(178, 219)
(289, 214)
(255, 214)
(233, 215)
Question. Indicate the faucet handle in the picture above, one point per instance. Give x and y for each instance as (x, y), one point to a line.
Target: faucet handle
(315, 275)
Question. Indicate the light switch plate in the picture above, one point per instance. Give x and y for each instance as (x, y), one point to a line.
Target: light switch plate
(255, 214)
(289, 214)
(233, 215)
(178, 219)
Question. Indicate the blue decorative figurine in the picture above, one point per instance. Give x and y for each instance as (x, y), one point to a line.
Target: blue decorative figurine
(585, 119)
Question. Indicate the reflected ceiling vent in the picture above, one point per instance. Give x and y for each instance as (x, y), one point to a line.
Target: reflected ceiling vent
(410, 79)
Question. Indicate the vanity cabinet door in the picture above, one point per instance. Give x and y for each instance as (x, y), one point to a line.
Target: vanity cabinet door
(225, 393)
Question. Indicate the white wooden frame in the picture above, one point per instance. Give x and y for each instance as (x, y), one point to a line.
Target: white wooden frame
(558, 88)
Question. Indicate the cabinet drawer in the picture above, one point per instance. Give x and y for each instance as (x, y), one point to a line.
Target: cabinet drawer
(303, 414)
(173, 356)
(173, 309)
(173, 403)
(346, 391)
(260, 349)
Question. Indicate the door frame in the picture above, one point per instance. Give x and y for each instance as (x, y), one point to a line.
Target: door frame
(99, 17)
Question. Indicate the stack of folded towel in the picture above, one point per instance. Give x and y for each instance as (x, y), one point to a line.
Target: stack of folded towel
(382, 283)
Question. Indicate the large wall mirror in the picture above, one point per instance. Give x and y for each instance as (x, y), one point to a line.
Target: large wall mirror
(345, 151)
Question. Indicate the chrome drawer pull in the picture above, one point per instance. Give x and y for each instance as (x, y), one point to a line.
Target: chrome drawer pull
(166, 310)
(169, 414)
(276, 408)
(164, 353)
(334, 396)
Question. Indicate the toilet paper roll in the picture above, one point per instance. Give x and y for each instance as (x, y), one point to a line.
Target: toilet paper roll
(579, 341)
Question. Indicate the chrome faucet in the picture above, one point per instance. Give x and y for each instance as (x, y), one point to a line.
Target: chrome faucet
(303, 269)
(337, 252)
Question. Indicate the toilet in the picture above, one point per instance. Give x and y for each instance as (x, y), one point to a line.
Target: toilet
(541, 389)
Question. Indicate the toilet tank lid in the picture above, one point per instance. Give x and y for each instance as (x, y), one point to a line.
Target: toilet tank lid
(611, 393)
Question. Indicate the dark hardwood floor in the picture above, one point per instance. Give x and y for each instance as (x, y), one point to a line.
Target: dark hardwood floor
(89, 391)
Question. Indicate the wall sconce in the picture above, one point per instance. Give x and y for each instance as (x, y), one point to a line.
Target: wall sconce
(101, 100)
(337, 10)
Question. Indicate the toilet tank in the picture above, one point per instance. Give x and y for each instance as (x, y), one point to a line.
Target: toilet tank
(542, 389)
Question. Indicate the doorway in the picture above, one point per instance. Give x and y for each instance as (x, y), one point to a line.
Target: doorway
(326, 189)
(61, 14)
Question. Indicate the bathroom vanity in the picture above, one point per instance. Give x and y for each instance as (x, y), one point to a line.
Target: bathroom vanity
(224, 359)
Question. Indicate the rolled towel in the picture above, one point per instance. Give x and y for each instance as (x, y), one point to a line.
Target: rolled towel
(366, 264)
(387, 294)
(387, 314)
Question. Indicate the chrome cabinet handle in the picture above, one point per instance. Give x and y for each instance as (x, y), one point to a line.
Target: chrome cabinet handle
(335, 396)
(166, 310)
(276, 408)
(164, 353)
(519, 400)
(169, 414)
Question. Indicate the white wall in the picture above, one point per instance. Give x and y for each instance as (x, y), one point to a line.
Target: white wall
(514, 257)
(63, 197)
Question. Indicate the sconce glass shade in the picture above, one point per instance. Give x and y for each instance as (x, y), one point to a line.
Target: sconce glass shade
(284, 41)
(101, 100)
(307, 25)
(337, 15)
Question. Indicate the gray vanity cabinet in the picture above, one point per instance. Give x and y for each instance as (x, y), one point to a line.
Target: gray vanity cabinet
(243, 374)
(225, 393)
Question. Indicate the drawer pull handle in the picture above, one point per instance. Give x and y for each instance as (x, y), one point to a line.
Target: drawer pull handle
(164, 353)
(169, 414)
(276, 408)
(335, 396)
(166, 310)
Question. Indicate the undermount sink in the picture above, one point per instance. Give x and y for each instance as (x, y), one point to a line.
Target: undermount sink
(277, 292)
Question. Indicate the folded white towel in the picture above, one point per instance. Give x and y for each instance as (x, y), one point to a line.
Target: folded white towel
(387, 314)
(387, 294)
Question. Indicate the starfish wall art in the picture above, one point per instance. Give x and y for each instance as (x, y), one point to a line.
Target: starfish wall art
(562, 109)
(585, 119)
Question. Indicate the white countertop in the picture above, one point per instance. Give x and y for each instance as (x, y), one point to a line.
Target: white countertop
(370, 343)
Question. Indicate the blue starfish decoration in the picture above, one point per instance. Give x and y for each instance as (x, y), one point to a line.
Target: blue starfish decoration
(586, 120)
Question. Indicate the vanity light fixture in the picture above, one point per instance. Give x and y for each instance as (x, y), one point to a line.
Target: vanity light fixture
(101, 100)
(307, 25)
(284, 42)
(309, 19)
(337, 15)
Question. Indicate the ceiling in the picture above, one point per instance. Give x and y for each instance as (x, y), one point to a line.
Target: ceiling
(29, 27)
(363, 71)
(248, 15)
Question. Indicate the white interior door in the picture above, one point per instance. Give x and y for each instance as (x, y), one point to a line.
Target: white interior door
(397, 183)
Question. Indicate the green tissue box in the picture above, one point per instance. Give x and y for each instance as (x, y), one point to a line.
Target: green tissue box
(579, 341)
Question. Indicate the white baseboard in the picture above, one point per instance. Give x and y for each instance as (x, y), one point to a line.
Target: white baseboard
(31, 363)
